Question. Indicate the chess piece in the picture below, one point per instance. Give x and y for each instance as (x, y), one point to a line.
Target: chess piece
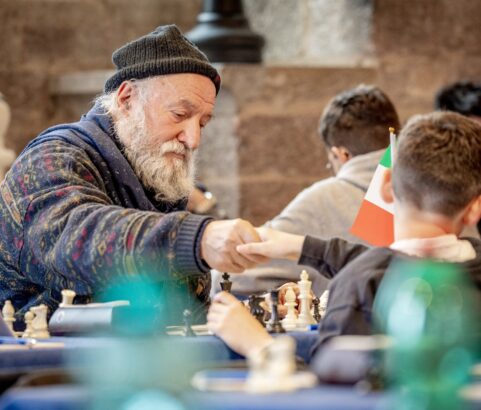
(256, 309)
(316, 313)
(39, 322)
(274, 325)
(67, 297)
(323, 303)
(28, 324)
(273, 369)
(226, 284)
(305, 317)
(187, 323)
(290, 321)
(8, 313)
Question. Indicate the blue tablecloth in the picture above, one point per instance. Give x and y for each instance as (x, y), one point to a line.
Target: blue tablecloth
(213, 349)
(319, 398)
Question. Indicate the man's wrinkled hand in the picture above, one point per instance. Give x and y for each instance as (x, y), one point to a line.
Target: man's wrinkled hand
(219, 243)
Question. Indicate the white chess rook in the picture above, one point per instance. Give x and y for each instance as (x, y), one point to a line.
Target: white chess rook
(290, 321)
(305, 317)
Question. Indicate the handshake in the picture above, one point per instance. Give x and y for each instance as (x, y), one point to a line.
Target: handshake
(235, 245)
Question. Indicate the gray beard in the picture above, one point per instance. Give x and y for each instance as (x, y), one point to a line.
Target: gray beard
(170, 180)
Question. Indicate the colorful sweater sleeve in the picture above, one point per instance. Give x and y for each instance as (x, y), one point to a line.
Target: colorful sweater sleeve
(73, 233)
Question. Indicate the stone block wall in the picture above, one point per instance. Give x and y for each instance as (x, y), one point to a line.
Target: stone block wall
(422, 45)
(313, 32)
(42, 39)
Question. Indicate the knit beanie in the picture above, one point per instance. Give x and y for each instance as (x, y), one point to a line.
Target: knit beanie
(164, 51)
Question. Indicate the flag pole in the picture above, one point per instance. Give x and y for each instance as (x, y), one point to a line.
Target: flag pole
(392, 141)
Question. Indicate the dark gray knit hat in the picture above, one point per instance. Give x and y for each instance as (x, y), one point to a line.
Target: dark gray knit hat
(164, 51)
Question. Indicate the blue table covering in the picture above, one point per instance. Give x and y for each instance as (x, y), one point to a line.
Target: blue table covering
(213, 349)
(319, 398)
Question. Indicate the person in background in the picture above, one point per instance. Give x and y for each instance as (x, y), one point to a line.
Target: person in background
(463, 97)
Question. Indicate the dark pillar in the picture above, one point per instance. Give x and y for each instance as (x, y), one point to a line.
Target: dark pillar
(223, 33)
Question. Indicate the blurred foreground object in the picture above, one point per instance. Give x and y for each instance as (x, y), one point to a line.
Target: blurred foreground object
(224, 35)
(431, 312)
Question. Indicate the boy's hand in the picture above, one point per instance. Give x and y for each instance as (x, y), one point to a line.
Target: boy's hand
(229, 319)
(275, 244)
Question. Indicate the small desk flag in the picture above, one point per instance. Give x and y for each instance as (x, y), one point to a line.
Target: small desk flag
(374, 222)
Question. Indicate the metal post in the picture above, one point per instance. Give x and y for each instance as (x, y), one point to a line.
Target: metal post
(224, 35)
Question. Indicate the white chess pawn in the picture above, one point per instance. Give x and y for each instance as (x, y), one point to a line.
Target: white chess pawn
(28, 324)
(8, 313)
(39, 322)
(290, 321)
(67, 297)
(305, 317)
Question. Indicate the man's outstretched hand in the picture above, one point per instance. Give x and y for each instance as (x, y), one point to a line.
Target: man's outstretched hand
(219, 243)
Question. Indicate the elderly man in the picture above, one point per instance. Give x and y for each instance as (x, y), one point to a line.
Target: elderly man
(104, 198)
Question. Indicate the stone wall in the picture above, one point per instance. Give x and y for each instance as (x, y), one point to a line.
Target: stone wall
(46, 38)
(313, 32)
(422, 45)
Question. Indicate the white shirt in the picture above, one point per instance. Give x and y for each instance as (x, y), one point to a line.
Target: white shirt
(448, 248)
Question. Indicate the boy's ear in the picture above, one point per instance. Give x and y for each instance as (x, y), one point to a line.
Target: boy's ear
(124, 95)
(341, 153)
(386, 187)
(472, 213)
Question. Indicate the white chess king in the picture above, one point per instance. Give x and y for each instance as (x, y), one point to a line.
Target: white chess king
(305, 317)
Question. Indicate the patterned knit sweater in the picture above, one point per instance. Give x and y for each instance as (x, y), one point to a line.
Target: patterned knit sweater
(74, 215)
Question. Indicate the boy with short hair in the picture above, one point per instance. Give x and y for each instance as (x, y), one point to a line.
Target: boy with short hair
(436, 190)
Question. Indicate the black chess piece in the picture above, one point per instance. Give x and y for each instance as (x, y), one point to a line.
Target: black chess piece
(226, 284)
(256, 309)
(274, 325)
(317, 313)
(187, 323)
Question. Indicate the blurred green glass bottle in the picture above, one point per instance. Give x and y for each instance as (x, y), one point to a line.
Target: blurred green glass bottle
(430, 311)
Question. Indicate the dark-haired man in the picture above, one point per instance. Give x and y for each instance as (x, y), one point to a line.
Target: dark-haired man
(354, 128)
(463, 97)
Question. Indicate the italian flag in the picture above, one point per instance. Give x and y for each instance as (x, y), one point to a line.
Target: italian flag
(374, 222)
